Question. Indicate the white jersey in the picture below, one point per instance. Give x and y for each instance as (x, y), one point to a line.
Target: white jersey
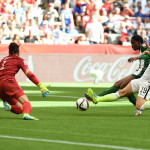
(146, 75)
(142, 85)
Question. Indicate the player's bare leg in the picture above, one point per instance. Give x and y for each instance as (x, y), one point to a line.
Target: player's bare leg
(142, 104)
(127, 91)
(109, 97)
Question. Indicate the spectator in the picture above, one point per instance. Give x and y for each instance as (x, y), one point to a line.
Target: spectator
(117, 19)
(148, 32)
(104, 15)
(24, 5)
(131, 4)
(115, 5)
(109, 25)
(78, 40)
(147, 9)
(79, 12)
(57, 33)
(139, 13)
(144, 35)
(16, 39)
(37, 11)
(30, 38)
(52, 13)
(19, 11)
(45, 17)
(117, 16)
(97, 13)
(124, 34)
(32, 26)
(45, 28)
(4, 31)
(30, 12)
(127, 11)
(107, 6)
(66, 18)
(5, 12)
(48, 38)
(98, 3)
(90, 7)
(138, 21)
(128, 25)
(146, 23)
(72, 31)
(139, 4)
(94, 31)
(143, 4)
(13, 29)
(139, 29)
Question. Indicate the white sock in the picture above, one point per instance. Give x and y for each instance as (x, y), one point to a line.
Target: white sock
(145, 106)
(117, 93)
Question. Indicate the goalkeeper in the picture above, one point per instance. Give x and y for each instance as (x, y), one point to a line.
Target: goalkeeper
(13, 97)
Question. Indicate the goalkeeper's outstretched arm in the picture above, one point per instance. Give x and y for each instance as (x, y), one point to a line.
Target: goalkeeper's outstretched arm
(33, 78)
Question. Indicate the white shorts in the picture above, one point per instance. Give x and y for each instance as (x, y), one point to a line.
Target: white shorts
(141, 87)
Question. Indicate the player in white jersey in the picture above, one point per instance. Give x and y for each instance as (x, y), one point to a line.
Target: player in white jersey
(140, 86)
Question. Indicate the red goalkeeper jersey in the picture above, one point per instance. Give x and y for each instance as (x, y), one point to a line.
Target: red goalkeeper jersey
(11, 64)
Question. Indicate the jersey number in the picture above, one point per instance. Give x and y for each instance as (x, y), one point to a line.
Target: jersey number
(144, 90)
(3, 65)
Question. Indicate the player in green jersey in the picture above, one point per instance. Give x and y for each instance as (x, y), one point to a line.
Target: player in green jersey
(136, 42)
(140, 86)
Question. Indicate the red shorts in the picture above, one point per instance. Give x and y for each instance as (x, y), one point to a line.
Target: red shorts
(10, 91)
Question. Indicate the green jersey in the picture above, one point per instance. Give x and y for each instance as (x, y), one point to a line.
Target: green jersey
(144, 62)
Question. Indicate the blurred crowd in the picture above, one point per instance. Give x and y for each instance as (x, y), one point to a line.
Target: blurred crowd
(73, 21)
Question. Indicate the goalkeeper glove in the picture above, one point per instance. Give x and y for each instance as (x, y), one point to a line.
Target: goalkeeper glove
(43, 89)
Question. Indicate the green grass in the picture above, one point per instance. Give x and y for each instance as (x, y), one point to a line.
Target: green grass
(63, 127)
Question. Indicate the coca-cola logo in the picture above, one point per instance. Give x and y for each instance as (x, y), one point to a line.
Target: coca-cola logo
(113, 71)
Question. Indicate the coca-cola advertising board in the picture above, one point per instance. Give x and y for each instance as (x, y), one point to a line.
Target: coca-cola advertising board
(76, 67)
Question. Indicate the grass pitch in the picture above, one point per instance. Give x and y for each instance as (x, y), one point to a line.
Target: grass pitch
(105, 126)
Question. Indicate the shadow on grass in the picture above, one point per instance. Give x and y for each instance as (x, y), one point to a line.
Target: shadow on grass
(10, 118)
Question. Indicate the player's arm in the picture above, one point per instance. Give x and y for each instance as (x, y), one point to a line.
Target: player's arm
(134, 58)
(144, 55)
(34, 79)
(148, 47)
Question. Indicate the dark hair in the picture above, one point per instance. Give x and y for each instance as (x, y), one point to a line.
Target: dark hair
(13, 48)
(138, 38)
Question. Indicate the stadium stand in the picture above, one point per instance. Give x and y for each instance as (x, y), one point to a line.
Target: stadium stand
(45, 18)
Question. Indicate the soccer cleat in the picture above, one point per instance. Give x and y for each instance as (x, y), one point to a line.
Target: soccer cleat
(91, 96)
(138, 112)
(88, 97)
(7, 107)
(28, 117)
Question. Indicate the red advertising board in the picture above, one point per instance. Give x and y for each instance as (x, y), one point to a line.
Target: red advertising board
(74, 66)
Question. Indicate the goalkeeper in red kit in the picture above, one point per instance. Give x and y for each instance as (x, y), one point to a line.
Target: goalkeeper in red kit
(13, 97)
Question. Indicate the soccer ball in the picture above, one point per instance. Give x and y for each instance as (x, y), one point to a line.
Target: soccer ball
(82, 104)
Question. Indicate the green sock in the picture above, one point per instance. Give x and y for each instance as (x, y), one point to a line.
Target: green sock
(132, 99)
(112, 89)
(108, 97)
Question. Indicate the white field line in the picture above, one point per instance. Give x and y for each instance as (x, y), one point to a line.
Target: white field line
(65, 96)
(71, 143)
(71, 104)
